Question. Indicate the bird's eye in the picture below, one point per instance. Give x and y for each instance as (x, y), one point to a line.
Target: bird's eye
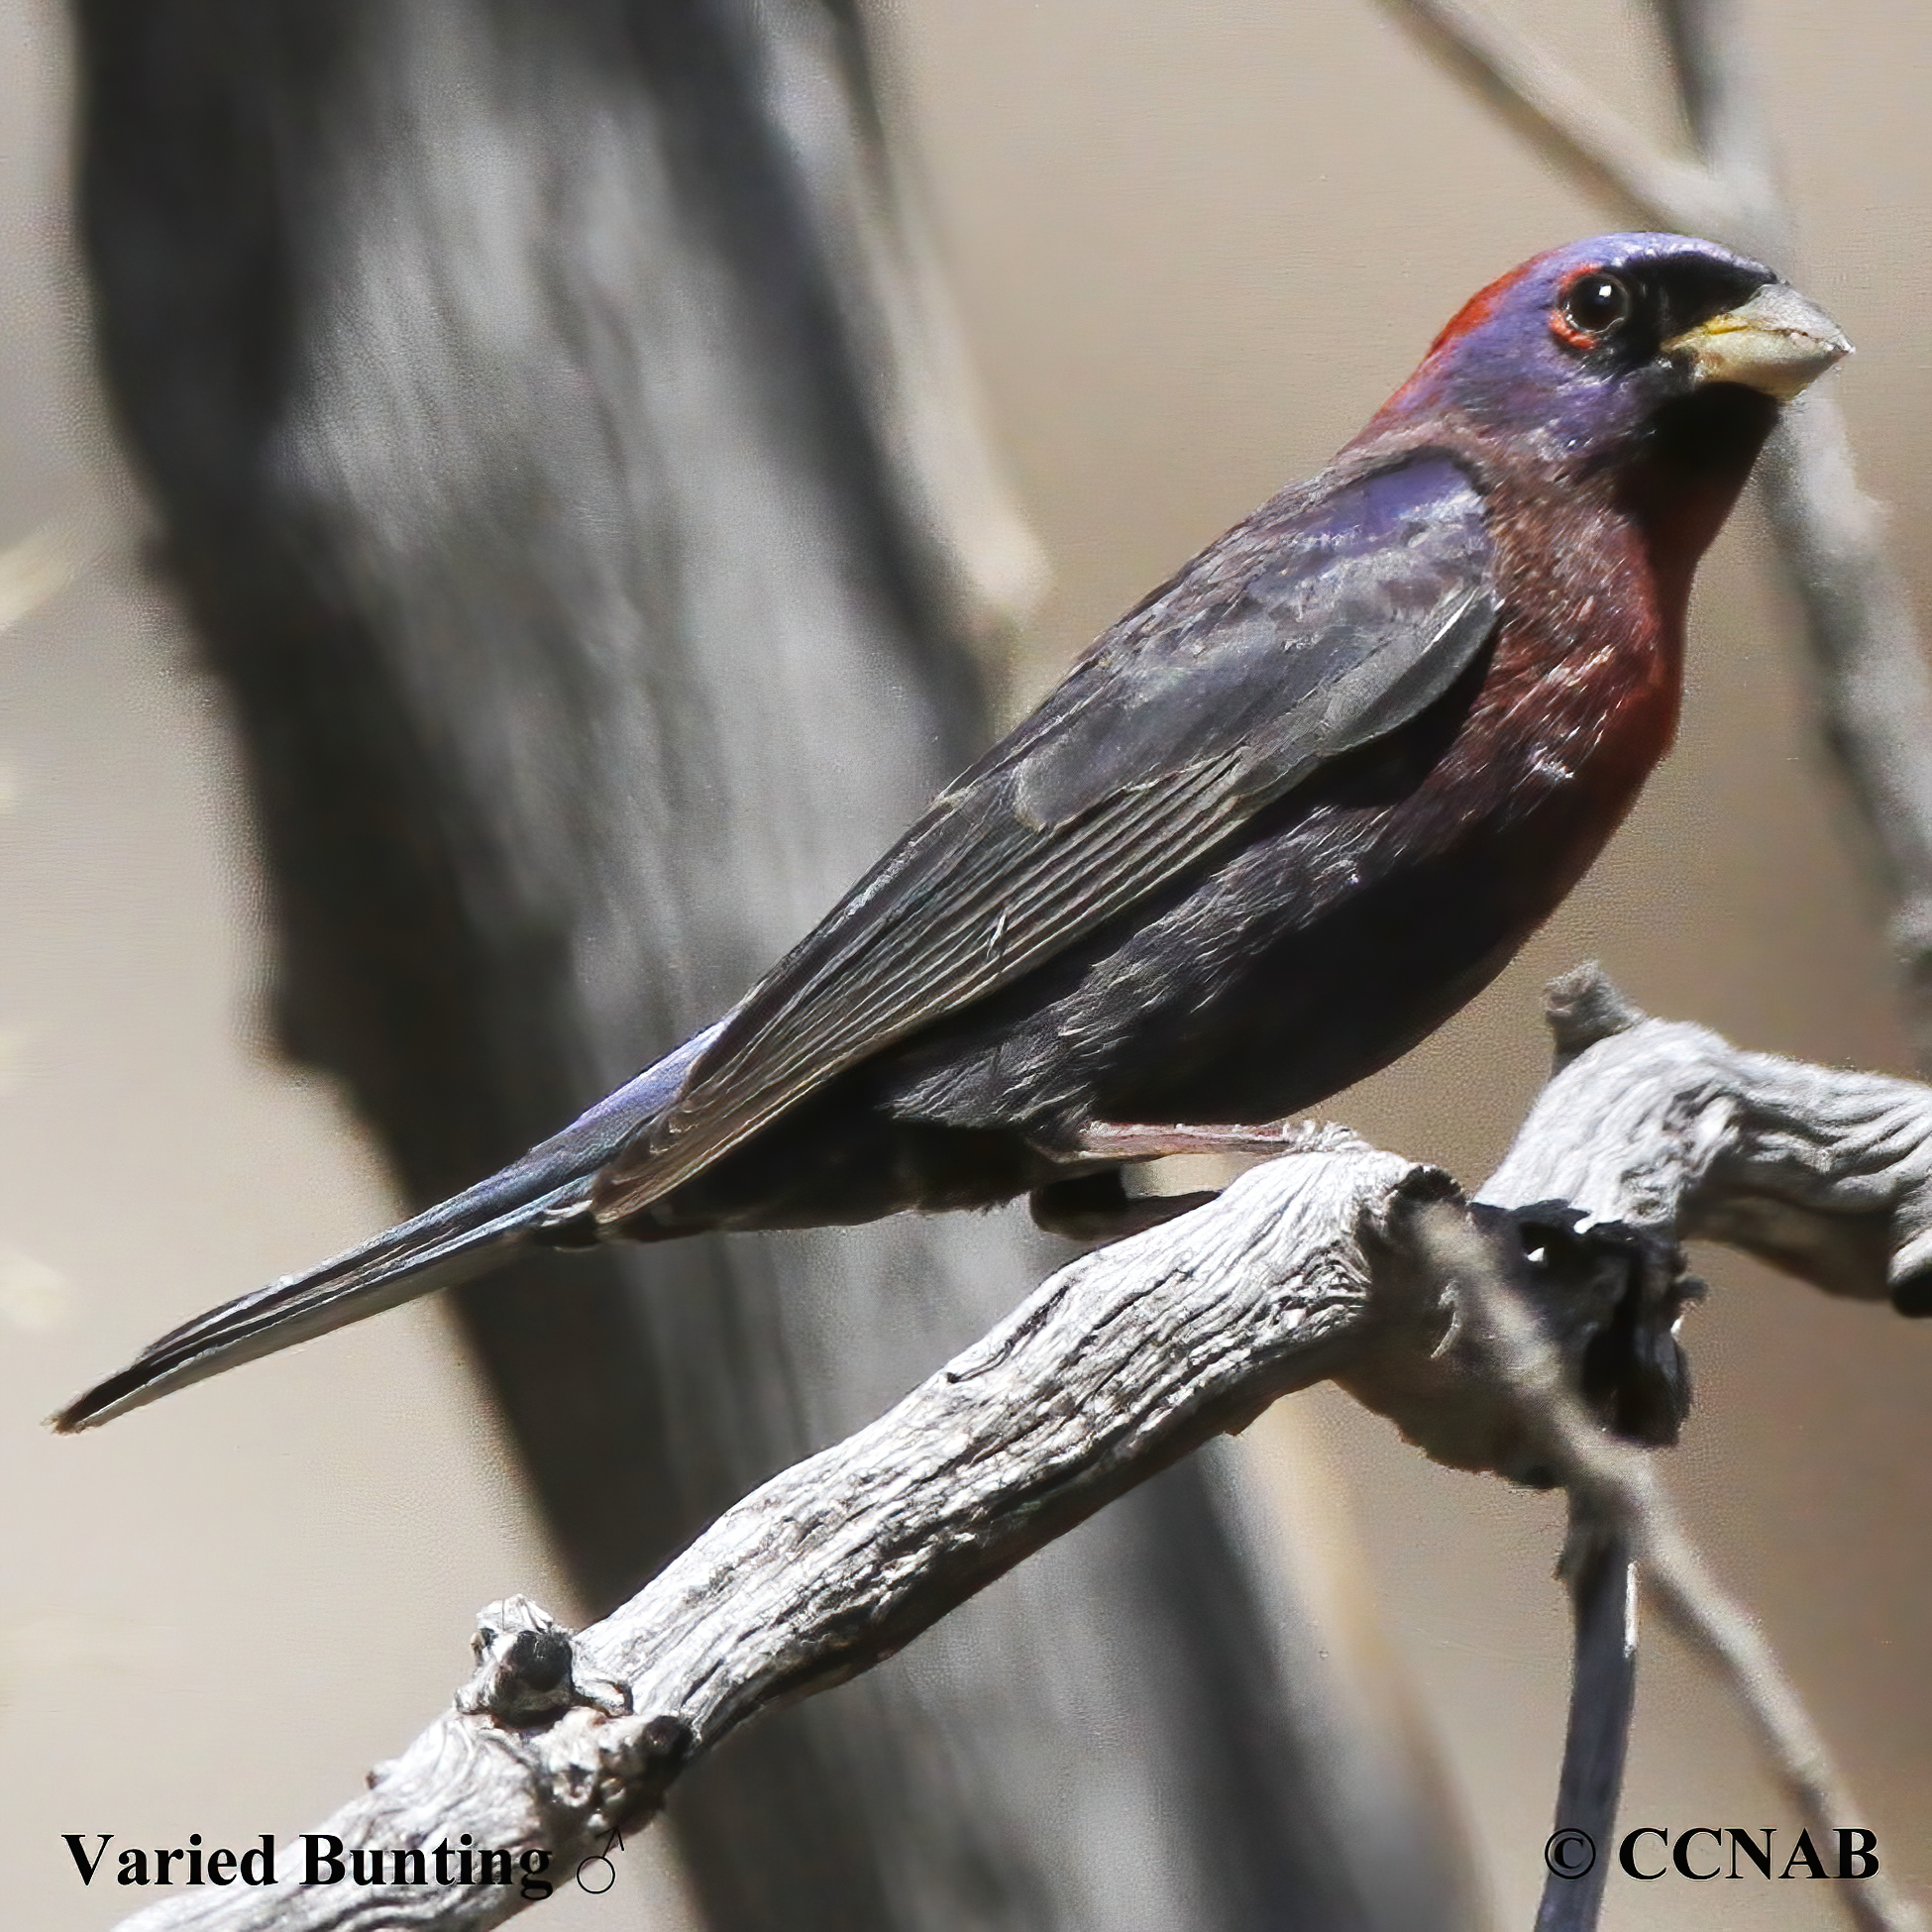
(1596, 305)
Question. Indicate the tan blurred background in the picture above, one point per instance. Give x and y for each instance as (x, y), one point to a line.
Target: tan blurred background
(1193, 247)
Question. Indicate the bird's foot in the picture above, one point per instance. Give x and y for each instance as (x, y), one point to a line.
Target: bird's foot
(1115, 1140)
(1097, 1207)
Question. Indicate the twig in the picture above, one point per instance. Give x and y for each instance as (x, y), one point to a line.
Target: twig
(1563, 119)
(1873, 693)
(1601, 1576)
(1717, 93)
(1311, 1266)
(1869, 677)
(1872, 690)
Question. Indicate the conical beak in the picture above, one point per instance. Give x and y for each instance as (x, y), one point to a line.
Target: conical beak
(1777, 342)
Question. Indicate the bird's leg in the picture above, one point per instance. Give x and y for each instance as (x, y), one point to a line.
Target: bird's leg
(1098, 1208)
(1115, 1141)
(1095, 1207)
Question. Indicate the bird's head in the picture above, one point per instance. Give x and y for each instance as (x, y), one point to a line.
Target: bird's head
(1600, 349)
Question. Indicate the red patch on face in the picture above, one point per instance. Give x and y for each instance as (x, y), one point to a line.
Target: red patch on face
(1466, 321)
(1477, 310)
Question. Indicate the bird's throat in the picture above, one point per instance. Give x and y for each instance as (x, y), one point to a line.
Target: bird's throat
(1698, 455)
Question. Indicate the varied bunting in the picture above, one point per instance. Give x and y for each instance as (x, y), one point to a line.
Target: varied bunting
(1285, 818)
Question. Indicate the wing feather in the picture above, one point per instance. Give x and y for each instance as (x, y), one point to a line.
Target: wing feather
(1318, 627)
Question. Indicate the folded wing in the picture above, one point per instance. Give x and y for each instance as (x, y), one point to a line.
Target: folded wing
(1318, 627)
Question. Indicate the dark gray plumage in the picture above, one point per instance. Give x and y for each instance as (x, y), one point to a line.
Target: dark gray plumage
(1285, 818)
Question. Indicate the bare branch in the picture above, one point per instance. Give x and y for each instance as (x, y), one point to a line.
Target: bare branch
(1668, 1128)
(1601, 1576)
(1869, 672)
(1824, 1176)
(1717, 91)
(1565, 121)
(1872, 690)
(1318, 1264)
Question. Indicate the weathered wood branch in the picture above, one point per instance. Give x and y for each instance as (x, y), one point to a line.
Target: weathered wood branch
(1323, 1263)
(1824, 1173)
(1600, 1574)
(1615, 1494)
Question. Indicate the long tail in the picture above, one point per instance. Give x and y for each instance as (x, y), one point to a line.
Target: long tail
(463, 1237)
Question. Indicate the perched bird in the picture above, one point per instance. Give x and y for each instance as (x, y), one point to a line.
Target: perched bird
(1285, 818)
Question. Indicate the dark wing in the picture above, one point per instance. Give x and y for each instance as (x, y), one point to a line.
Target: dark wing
(1312, 629)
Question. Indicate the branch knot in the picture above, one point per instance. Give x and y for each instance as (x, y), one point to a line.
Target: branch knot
(1585, 1007)
(529, 1670)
